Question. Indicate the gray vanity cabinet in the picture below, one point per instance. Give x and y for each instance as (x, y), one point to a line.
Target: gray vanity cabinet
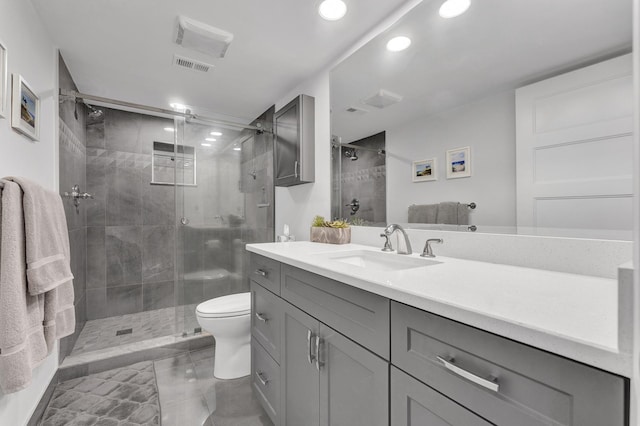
(413, 404)
(299, 378)
(326, 379)
(354, 383)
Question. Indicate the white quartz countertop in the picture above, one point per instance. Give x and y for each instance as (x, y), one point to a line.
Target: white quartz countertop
(575, 316)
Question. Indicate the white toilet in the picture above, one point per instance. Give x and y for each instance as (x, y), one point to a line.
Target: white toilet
(228, 319)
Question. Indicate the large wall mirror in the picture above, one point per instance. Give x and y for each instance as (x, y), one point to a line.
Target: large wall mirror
(514, 117)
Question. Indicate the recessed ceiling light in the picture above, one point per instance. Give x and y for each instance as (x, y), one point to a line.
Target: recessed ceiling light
(453, 8)
(399, 43)
(168, 129)
(205, 144)
(237, 148)
(332, 10)
(177, 106)
(215, 134)
(210, 139)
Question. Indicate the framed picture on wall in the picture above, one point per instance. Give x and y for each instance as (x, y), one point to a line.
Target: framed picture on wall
(25, 108)
(425, 170)
(3, 80)
(459, 163)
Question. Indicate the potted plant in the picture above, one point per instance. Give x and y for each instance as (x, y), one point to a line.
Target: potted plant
(335, 232)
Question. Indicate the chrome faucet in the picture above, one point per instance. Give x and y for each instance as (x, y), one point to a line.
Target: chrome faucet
(428, 252)
(402, 248)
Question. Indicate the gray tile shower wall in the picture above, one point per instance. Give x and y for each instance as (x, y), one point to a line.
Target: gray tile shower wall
(72, 154)
(365, 180)
(131, 223)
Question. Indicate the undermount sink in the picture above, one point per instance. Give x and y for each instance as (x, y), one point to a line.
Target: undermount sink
(378, 261)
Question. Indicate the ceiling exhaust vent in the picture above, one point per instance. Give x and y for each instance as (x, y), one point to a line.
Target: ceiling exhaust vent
(203, 38)
(357, 110)
(382, 99)
(192, 64)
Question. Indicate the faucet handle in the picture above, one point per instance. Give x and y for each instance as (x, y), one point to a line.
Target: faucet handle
(387, 243)
(428, 251)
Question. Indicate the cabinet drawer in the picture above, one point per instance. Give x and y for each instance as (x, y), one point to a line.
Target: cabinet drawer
(535, 387)
(414, 403)
(265, 319)
(265, 380)
(265, 272)
(358, 314)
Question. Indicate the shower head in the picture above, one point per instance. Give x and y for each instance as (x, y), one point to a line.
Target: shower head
(351, 154)
(94, 113)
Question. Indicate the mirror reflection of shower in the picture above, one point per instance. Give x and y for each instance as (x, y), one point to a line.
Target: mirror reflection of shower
(361, 178)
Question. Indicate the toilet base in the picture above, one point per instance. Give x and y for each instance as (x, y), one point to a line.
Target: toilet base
(232, 359)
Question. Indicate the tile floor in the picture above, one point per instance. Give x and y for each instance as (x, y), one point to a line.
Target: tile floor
(101, 333)
(187, 392)
(190, 395)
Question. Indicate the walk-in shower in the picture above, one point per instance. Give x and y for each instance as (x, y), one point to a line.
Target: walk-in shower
(171, 212)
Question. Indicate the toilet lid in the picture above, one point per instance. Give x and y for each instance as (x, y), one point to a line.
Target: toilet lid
(226, 306)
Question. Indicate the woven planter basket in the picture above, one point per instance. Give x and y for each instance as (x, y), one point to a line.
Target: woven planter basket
(330, 235)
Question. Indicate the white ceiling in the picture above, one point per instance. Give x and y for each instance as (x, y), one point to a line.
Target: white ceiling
(123, 49)
(497, 45)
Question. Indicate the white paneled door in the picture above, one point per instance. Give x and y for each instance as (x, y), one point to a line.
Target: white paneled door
(574, 153)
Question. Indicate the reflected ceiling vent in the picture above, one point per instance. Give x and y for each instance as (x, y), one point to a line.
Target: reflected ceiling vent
(191, 64)
(357, 110)
(203, 38)
(382, 99)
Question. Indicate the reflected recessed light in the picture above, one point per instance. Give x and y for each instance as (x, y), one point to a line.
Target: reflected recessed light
(177, 106)
(332, 10)
(215, 134)
(399, 43)
(168, 129)
(210, 139)
(237, 148)
(453, 8)
(205, 144)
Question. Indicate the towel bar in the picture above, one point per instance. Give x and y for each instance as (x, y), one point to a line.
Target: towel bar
(471, 205)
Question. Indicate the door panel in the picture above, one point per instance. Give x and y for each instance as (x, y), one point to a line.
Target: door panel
(354, 383)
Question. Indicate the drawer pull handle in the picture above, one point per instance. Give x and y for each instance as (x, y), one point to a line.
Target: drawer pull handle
(261, 378)
(319, 343)
(489, 384)
(261, 272)
(310, 356)
(261, 317)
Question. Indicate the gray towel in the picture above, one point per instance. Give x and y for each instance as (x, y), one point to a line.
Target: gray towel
(426, 213)
(22, 341)
(463, 214)
(47, 237)
(448, 213)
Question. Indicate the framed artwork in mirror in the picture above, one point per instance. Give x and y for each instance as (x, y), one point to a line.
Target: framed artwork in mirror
(425, 170)
(459, 163)
(25, 108)
(3, 81)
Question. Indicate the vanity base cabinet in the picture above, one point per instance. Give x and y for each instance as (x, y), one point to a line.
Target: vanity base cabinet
(354, 383)
(503, 381)
(416, 404)
(265, 381)
(327, 379)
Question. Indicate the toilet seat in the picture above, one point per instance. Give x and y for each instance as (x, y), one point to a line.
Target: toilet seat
(232, 305)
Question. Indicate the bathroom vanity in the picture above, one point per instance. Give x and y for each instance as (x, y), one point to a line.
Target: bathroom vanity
(348, 335)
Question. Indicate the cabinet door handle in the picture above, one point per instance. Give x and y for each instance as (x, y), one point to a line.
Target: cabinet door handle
(261, 378)
(310, 356)
(319, 343)
(260, 272)
(261, 317)
(295, 169)
(491, 384)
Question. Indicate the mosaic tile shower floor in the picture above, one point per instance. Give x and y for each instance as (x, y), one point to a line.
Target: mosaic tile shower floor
(103, 333)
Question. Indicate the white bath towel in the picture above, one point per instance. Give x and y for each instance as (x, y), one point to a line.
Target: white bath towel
(22, 341)
(47, 237)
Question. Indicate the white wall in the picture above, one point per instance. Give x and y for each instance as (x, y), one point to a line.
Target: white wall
(30, 53)
(488, 127)
(297, 205)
